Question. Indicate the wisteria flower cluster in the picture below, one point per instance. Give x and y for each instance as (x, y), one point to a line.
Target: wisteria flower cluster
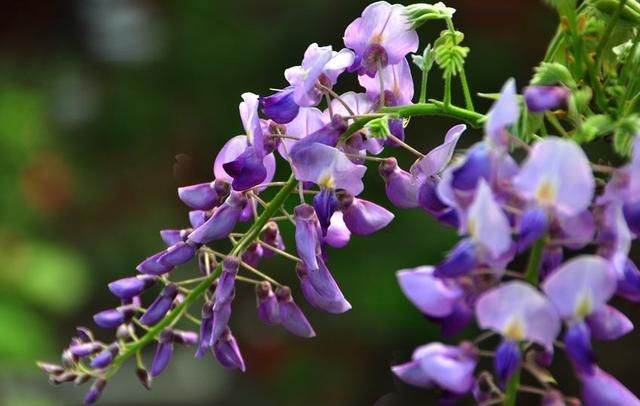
(517, 194)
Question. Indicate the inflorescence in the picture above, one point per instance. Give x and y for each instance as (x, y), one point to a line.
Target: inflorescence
(573, 222)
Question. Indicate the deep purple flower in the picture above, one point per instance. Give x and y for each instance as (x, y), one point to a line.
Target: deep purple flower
(224, 294)
(267, 303)
(577, 341)
(164, 352)
(321, 65)
(152, 265)
(206, 328)
(326, 135)
(95, 391)
(291, 317)
(253, 254)
(461, 260)
(105, 357)
(543, 176)
(363, 217)
(397, 81)
(203, 196)
(227, 352)
(281, 106)
(533, 225)
(381, 36)
(85, 349)
(245, 162)
(433, 296)
(601, 389)
(325, 204)
(222, 222)
(157, 310)
(507, 361)
(450, 368)
(111, 318)
(127, 288)
(518, 312)
(178, 254)
(543, 98)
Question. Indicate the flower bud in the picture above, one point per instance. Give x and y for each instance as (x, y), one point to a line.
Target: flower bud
(160, 306)
(144, 378)
(105, 357)
(164, 352)
(291, 316)
(127, 288)
(267, 303)
(94, 393)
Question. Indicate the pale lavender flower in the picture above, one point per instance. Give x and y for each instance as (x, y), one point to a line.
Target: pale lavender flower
(601, 389)
(543, 98)
(433, 296)
(503, 114)
(363, 217)
(397, 81)
(381, 36)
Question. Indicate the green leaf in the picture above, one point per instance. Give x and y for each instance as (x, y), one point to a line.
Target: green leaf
(378, 127)
(425, 61)
(552, 73)
(625, 133)
(594, 127)
(418, 14)
(449, 54)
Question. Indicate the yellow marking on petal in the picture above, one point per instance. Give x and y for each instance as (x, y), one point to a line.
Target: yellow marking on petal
(584, 306)
(546, 192)
(377, 38)
(514, 331)
(326, 181)
(471, 227)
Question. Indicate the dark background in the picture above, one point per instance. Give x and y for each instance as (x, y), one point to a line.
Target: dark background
(106, 106)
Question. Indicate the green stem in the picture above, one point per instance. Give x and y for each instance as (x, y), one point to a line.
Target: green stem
(468, 101)
(199, 289)
(435, 108)
(607, 34)
(535, 258)
(423, 86)
(512, 389)
(447, 90)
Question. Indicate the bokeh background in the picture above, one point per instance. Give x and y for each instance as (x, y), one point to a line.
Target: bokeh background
(106, 106)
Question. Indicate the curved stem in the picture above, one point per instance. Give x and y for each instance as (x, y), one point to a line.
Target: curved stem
(202, 287)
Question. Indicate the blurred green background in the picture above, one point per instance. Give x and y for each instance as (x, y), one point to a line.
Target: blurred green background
(106, 106)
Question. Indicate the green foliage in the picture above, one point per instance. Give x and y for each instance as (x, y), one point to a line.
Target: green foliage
(552, 74)
(425, 61)
(419, 14)
(379, 127)
(449, 54)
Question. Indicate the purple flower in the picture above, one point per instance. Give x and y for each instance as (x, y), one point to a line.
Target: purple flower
(601, 389)
(111, 318)
(327, 135)
(580, 287)
(507, 361)
(487, 225)
(206, 328)
(533, 225)
(328, 167)
(307, 235)
(518, 312)
(227, 352)
(85, 349)
(160, 306)
(363, 217)
(503, 114)
(280, 107)
(271, 235)
(95, 391)
(152, 265)
(381, 36)
(338, 234)
(450, 368)
(398, 84)
(308, 121)
(320, 65)
(203, 196)
(251, 122)
(222, 222)
(240, 157)
(253, 254)
(401, 187)
(178, 254)
(105, 357)
(267, 303)
(438, 158)
(433, 296)
(164, 352)
(543, 177)
(127, 288)
(320, 289)
(543, 98)
(291, 317)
